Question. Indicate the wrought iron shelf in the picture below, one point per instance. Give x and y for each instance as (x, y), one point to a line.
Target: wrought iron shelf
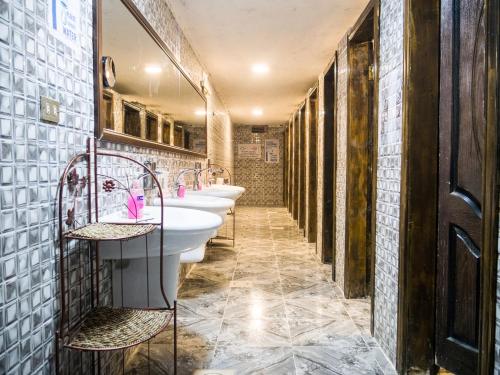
(110, 232)
(107, 328)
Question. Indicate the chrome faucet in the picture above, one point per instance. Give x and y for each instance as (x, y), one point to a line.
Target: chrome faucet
(183, 172)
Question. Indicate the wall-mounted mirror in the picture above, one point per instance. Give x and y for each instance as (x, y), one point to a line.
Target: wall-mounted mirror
(145, 99)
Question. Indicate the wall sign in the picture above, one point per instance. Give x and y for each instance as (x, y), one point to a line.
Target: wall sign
(272, 150)
(249, 151)
(64, 19)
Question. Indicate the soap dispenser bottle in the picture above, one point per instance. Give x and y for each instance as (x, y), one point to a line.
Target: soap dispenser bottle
(135, 202)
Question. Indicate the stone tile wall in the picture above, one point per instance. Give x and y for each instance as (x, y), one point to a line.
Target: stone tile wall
(388, 174)
(34, 63)
(263, 181)
(341, 181)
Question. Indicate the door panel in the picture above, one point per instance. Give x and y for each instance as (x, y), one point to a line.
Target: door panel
(461, 143)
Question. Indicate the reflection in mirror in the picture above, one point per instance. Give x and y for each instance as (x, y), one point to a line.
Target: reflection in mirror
(151, 100)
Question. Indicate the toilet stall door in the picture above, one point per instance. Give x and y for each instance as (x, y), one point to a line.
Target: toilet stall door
(461, 146)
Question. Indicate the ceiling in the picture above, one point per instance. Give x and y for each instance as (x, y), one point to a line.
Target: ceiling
(296, 38)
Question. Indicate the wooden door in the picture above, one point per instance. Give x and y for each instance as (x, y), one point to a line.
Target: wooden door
(312, 185)
(329, 170)
(295, 206)
(461, 147)
(302, 167)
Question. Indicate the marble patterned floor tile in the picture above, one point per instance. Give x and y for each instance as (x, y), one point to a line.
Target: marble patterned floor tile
(254, 333)
(335, 360)
(322, 331)
(250, 360)
(254, 309)
(268, 306)
(315, 308)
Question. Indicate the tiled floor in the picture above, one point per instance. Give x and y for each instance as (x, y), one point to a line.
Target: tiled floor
(267, 307)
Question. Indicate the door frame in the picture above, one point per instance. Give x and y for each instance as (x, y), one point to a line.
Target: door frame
(329, 163)
(419, 176)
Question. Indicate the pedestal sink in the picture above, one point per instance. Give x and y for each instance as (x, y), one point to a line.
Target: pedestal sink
(212, 204)
(184, 230)
(222, 191)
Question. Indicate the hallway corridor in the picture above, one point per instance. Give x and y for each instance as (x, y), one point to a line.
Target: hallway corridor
(269, 307)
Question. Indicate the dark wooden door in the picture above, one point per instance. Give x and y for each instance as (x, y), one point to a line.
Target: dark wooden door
(313, 165)
(461, 146)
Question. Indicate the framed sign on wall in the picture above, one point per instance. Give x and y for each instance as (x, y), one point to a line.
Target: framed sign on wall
(249, 151)
(272, 151)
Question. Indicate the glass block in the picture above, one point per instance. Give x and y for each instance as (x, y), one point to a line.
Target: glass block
(30, 67)
(23, 284)
(18, 86)
(9, 245)
(30, 88)
(17, 40)
(4, 56)
(4, 33)
(25, 326)
(5, 79)
(32, 172)
(6, 175)
(18, 61)
(7, 199)
(36, 318)
(24, 306)
(21, 197)
(46, 293)
(11, 313)
(11, 335)
(31, 131)
(30, 46)
(17, 17)
(9, 268)
(5, 128)
(36, 278)
(21, 175)
(21, 218)
(4, 10)
(29, 24)
(19, 106)
(33, 195)
(20, 152)
(10, 290)
(20, 129)
(22, 263)
(5, 103)
(31, 109)
(25, 367)
(13, 355)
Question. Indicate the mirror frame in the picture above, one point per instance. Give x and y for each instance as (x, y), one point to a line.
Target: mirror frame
(100, 131)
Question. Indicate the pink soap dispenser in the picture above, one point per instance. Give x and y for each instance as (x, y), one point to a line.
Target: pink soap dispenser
(181, 189)
(135, 202)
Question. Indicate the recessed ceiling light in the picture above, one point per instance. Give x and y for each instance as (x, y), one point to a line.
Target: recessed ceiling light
(260, 68)
(200, 112)
(257, 112)
(152, 69)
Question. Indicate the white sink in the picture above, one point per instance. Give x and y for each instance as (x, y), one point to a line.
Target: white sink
(206, 203)
(222, 191)
(184, 230)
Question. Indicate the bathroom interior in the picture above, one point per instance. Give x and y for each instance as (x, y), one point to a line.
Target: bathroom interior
(249, 187)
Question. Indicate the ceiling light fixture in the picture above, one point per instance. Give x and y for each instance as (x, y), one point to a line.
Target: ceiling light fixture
(152, 69)
(257, 112)
(260, 68)
(200, 112)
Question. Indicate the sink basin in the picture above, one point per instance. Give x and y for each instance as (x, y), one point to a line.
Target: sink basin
(206, 203)
(222, 191)
(184, 230)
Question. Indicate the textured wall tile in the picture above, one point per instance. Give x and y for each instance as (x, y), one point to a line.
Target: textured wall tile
(388, 175)
(263, 181)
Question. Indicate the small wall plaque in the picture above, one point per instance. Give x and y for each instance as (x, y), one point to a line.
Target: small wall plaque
(49, 110)
(259, 129)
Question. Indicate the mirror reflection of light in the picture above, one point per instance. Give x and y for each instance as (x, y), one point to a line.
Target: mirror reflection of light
(152, 69)
(257, 112)
(256, 324)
